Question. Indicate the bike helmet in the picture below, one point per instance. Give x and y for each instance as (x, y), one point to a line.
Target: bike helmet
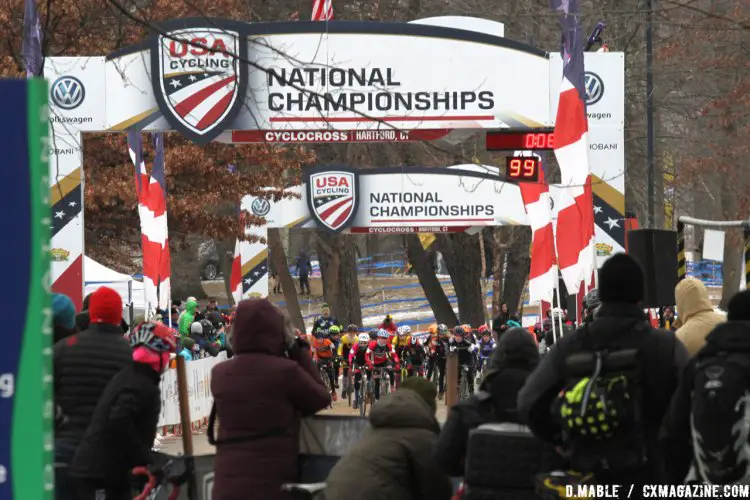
(467, 328)
(156, 337)
(334, 330)
(404, 330)
(459, 330)
(383, 334)
(352, 328)
(513, 324)
(483, 329)
(363, 337)
(442, 329)
(433, 329)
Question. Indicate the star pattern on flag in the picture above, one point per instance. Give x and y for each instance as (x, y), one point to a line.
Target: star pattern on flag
(64, 210)
(324, 200)
(179, 81)
(612, 223)
(597, 209)
(254, 275)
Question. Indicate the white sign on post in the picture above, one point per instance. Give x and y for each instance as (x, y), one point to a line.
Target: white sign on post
(713, 245)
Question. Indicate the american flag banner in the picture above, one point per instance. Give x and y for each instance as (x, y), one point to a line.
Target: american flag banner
(575, 237)
(322, 10)
(543, 272)
(152, 211)
(235, 280)
(31, 46)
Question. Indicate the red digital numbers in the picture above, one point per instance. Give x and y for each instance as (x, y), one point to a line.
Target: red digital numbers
(522, 168)
(544, 140)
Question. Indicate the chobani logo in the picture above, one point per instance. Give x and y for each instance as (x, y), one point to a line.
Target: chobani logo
(59, 255)
(603, 250)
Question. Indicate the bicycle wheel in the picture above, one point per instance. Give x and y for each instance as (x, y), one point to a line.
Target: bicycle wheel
(348, 387)
(362, 398)
(463, 391)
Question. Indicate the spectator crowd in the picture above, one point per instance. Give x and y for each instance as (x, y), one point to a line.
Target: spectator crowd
(611, 401)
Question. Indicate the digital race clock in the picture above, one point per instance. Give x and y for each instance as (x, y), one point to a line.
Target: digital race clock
(522, 168)
(524, 140)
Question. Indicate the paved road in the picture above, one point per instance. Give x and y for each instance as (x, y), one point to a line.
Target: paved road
(173, 445)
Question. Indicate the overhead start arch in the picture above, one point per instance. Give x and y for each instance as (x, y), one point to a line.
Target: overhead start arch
(238, 82)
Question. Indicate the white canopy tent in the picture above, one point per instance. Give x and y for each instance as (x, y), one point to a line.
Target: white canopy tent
(96, 275)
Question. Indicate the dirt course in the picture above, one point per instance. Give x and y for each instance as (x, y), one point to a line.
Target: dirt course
(173, 444)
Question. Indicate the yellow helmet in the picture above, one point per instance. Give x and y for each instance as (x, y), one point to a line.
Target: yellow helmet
(433, 329)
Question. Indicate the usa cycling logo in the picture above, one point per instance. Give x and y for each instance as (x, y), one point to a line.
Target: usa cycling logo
(260, 207)
(198, 80)
(67, 92)
(594, 87)
(332, 197)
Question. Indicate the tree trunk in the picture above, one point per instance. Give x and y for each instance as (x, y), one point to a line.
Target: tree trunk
(499, 240)
(278, 256)
(519, 263)
(422, 264)
(225, 251)
(462, 257)
(338, 268)
(733, 244)
(186, 273)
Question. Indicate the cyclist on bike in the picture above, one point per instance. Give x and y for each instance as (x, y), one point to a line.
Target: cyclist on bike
(416, 355)
(345, 345)
(378, 354)
(465, 350)
(358, 361)
(402, 340)
(123, 426)
(335, 334)
(325, 320)
(323, 356)
(485, 347)
(438, 356)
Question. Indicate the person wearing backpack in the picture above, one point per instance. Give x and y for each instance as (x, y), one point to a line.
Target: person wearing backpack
(705, 437)
(602, 391)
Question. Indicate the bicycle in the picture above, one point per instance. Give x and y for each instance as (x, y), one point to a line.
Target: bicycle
(463, 388)
(174, 473)
(363, 394)
(480, 371)
(347, 389)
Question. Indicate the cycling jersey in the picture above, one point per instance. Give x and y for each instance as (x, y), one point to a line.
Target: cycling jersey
(323, 324)
(378, 355)
(401, 342)
(358, 355)
(439, 348)
(347, 341)
(323, 348)
(465, 350)
(416, 354)
(486, 349)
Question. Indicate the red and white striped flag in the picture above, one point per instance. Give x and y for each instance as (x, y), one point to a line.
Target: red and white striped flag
(322, 10)
(235, 280)
(152, 210)
(575, 237)
(543, 273)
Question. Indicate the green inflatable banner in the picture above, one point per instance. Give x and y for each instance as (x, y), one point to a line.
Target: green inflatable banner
(26, 407)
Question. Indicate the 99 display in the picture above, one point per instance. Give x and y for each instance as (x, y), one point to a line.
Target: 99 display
(522, 168)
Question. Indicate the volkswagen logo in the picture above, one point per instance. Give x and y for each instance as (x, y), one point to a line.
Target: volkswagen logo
(67, 92)
(260, 207)
(594, 87)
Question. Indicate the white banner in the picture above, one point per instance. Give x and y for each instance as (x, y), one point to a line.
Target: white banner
(199, 390)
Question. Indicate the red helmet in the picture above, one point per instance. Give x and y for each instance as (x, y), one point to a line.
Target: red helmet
(483, 329)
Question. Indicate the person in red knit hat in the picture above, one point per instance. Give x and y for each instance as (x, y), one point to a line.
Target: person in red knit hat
(84, 364)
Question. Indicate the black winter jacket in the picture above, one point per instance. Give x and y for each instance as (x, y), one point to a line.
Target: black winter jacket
(676, 441)
(664, 358)
(84, 365)
(515, 358)
(122, 430)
